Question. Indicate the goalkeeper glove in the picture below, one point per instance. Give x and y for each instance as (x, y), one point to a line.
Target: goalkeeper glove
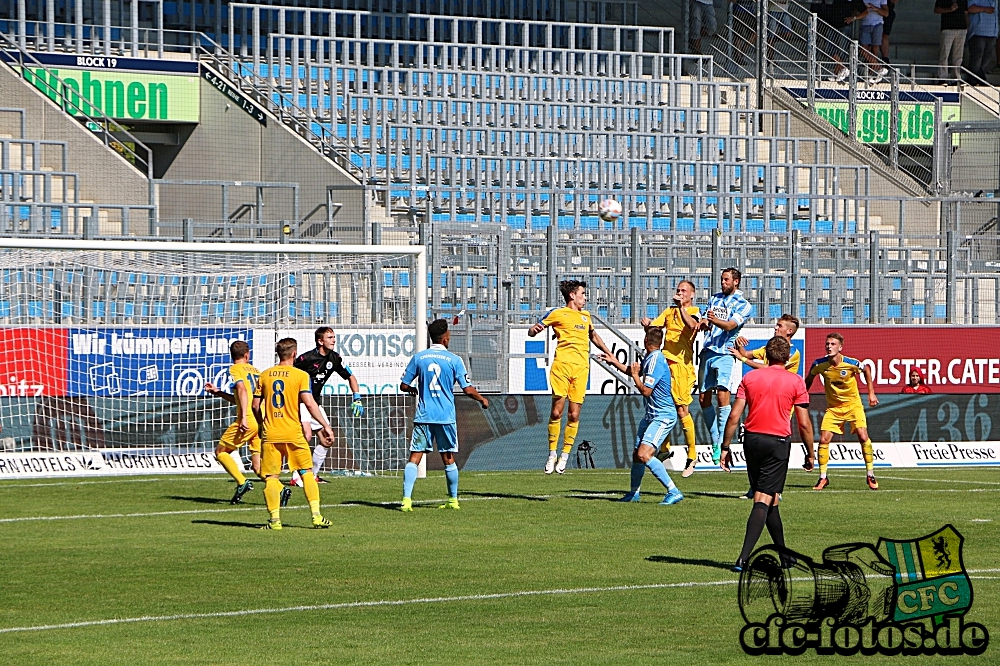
(357, 409)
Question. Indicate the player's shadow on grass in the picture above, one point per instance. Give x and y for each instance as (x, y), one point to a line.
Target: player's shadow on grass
(226, 523)
(603, 495)
(530, 498)
(390, 506)
(669, 559)
(199, 500)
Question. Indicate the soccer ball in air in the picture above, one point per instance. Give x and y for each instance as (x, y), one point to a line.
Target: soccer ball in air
(609, 210)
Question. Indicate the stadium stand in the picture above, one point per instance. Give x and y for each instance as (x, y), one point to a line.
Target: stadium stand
(491, 138)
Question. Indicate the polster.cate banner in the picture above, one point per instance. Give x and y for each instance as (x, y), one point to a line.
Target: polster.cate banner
(953, 359)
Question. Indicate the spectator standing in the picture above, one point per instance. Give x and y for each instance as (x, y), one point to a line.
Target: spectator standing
(887, 29)
(954, 24)
(871, 36)
(982, 36)
(841, 15)
(779, 24)
(703, 23)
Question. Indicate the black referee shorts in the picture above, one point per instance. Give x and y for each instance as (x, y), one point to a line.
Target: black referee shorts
(767, 461)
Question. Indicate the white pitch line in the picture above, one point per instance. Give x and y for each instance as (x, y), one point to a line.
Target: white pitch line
(362, 604)
(348, 505)
(393, 602)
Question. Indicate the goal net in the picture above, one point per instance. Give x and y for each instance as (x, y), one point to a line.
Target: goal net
(106, 347)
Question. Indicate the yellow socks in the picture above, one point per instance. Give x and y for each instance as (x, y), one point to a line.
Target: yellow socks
(569, 437)
(690, 435)
(554, 436)
(311, 489)
(272, 497)
(866, 451)
(229, 464)
(824, 459)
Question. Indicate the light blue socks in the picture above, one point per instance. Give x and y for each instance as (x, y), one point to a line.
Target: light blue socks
(451, 475)
(708, 413)
(410, 477)
(659, 471)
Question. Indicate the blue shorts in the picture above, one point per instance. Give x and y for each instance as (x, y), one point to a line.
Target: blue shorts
(871, 35)
(445, 435)
(652, 433)
(716, 371)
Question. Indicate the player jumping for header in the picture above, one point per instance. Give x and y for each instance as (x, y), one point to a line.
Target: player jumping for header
(843, 404)
(574, 329)
(652, 378)
(727, 311)
(431, 375)
(680, 322)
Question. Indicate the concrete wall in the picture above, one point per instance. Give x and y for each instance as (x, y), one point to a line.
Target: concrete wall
(230, 145)
(105, 176)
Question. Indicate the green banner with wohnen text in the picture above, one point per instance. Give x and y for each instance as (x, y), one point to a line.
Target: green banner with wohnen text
(120, 95)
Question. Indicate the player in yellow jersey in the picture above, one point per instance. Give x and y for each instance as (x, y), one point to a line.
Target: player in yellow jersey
(574, 329)
(785, 327)
(244, 429)
(680, 322)
(843, 404)
(280, 391)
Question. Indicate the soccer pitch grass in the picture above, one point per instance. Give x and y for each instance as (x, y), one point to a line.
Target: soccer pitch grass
(533, 569)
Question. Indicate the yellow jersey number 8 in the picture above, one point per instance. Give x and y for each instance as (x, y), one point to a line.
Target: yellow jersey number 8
(278, 399)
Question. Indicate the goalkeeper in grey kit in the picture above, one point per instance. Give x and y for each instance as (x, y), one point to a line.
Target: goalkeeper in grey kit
(319, 364)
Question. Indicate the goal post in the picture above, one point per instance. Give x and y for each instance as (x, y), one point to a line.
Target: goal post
(106, 346)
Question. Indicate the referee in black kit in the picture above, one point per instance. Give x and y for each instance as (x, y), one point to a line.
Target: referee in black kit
(771, 393)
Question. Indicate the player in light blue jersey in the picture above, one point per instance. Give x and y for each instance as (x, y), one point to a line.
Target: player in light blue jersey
(431, 374)
(727, 311)
(652, 378)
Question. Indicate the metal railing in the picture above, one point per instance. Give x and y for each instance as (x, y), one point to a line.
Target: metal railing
(108, 130)
(828, 72)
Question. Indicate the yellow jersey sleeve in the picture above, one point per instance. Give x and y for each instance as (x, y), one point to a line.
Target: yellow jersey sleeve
(794, 361)
(249, 376)
(792, 364)
(661, 320)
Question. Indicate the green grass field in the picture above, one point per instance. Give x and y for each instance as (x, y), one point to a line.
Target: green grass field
(560, 558)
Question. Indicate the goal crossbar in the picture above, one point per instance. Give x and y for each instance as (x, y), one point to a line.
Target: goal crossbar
(418, 251)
